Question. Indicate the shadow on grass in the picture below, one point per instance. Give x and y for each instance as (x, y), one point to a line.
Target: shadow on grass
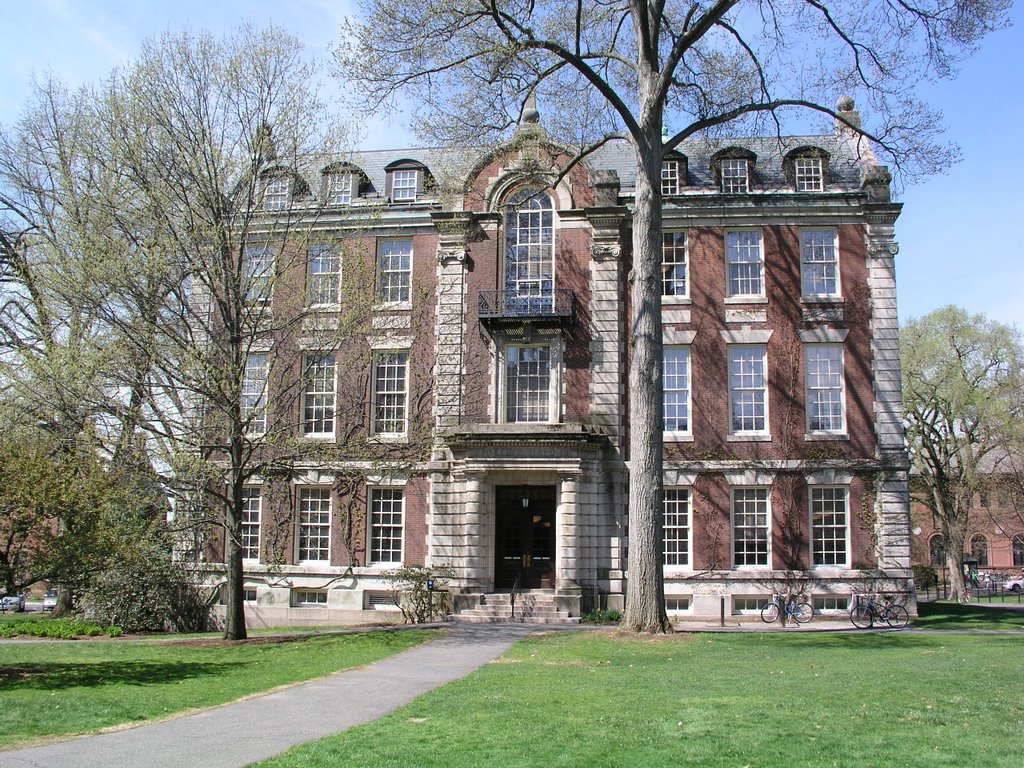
(59, 676)
(943, 615)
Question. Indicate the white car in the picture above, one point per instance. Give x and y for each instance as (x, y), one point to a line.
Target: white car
(50, 600)
(14, 603)
(1016, 585)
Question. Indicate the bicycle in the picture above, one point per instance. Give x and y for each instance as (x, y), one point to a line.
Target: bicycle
(865, 613)
(795, 607)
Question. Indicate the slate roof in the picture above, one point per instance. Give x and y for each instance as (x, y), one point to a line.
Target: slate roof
(451, 166)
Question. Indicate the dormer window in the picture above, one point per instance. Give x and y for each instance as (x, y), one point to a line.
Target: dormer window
(405, 180)
(340, 188)
(807, 174)
(734, 170)
(670, 177)
(673, 174)
(806, 169)
(403, 186)
(735, 176)
(276, 193)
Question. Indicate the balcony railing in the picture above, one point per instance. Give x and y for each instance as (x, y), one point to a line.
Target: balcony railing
(558, 305)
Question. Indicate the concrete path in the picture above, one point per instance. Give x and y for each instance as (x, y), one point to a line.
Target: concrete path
(235, 735)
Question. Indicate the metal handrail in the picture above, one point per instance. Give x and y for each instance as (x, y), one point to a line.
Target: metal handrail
(516, 590)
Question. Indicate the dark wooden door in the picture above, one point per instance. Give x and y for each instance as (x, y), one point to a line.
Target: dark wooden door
(525, 543)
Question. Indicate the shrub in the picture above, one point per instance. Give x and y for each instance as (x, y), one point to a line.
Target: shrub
(59, 629)
(925, 577)
(419, 604)
(601, 616)
(153, 594)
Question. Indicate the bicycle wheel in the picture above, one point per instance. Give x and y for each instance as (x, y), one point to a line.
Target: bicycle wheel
(770, 613)
(803, 613)
(896, 616)
(861, 616)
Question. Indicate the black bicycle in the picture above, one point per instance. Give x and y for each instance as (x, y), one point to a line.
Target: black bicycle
(793, 607)
(870, 612)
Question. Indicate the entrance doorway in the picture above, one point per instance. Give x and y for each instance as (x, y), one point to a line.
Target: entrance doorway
(525, 544)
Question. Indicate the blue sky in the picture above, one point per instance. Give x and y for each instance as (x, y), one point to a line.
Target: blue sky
(957, 239)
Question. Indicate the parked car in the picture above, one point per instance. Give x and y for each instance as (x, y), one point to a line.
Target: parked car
(50, 600)
(14, 603)
(1016, 585)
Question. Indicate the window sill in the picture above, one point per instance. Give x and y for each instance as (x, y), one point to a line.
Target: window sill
(394, 438)
(674, 301)
(746, 300)
(676, 437)
(393, 306)
(822, 300)
(753, 437)
(320, 437)
(827, 436)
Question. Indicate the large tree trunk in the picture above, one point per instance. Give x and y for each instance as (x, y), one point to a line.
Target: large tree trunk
(234, 620)
(645, 595)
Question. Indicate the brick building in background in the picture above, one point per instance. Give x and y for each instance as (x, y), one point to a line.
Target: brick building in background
(492, 380)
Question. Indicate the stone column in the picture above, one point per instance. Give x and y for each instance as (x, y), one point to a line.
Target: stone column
(453, 229)
(892, 489)
(569, 550)
(475, 532)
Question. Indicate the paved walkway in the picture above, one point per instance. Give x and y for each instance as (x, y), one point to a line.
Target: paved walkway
(235, 735)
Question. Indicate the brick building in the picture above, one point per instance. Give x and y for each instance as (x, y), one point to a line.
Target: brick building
(492, 380)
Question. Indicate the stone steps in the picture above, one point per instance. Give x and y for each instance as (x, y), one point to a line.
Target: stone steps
(530, 608)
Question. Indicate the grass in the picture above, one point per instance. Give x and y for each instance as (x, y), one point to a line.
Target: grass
(59, 688)
(950, 615)
(596, 700)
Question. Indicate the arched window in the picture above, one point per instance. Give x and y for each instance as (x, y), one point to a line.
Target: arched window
(937, 549)
(1018, 549)
(979, 549)
(529, 250)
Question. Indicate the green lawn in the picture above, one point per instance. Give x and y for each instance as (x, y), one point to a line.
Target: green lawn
(62, 687)
(949, 615)
(788, 700)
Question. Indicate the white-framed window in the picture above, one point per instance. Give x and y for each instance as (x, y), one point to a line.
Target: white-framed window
(819, 263)
(674, 265)
(249, 595)
(276, 193)
(404, 184)
(749, 603)
(830, 526)
(314, 524)
(670, 177)
(529, 251)
(744, 263)
(748, 389)
(309, 598)
(258, 273)
(323, 275)
(394, 271)
(676, 527)
(831, 603)
(676, 378)
(528, 384)
(387, 525)
(807, 174)
(254, 393)
(735, 172)
(319, 384)
(390, 392)
(751, 528)
(825, 396)
(339, 188)
(252, 508)
(677, 604)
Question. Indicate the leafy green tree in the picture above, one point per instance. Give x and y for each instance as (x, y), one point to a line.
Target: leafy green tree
(963, 399)
(633, 69)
